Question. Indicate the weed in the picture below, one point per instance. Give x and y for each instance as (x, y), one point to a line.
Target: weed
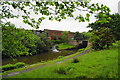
(75, 60)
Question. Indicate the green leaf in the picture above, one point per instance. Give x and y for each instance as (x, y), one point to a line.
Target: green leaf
(14, 5)
(87, 15)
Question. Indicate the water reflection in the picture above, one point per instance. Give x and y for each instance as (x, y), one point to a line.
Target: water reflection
(38, 57)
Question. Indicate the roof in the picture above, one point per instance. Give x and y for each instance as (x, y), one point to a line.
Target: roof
(55, 30)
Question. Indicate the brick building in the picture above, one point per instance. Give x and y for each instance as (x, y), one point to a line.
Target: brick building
(57, 33)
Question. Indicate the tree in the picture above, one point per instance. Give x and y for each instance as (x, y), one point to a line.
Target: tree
(43, 43)
(114, 25)
(65, 37)
(12, 45)
(102, 38)
(105, 33)
(20, 42)
(54, 10)
(78, 36)
(86, 35)
(82, 36)
(54, 37)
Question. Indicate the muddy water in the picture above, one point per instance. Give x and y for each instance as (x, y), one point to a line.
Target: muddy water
(38, 57)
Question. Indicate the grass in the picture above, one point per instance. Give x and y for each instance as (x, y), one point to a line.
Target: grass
(44, 62)
(95, 64)
(65, 46)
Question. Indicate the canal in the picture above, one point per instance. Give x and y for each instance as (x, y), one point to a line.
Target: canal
(38, 57)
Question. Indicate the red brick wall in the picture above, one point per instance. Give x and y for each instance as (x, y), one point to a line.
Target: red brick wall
(57, 33)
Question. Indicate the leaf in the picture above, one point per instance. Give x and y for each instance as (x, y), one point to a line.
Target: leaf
(87, 15)
(14, 5)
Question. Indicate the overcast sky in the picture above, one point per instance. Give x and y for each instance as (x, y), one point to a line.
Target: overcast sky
(69, 24)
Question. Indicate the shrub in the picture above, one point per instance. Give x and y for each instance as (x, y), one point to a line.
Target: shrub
(12, 66)
(81, 49)
(8, 67)
(0, 69)
(22, 42)
(75, 60)
(64, 70)
(61, 70)
(60, 57)
(116, 44)
(56, 41)
(19, 64)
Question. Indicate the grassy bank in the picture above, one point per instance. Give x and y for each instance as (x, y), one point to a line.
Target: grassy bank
(46, 62)
(65, 46)
(96, 64)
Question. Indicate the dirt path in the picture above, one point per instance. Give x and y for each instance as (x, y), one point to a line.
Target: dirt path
(29, 69)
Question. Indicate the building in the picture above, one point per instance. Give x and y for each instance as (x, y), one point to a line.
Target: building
(37, 32)
(57, 34)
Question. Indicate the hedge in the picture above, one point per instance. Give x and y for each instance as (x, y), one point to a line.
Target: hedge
(12, 66)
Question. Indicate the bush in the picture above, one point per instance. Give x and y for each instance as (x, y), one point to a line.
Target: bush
(12, 66)
(116, 44)
(75, 60)
(56, 41)
(61, 70)
(64, 70)
(79, 50)
(22, 42)
(19, 64)
(60, 57)
(8, 67)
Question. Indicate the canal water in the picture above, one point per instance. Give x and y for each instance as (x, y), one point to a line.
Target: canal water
(38, 57)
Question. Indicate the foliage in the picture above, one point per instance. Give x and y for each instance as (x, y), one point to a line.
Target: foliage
(12, 42)
(82, 36)
(95, 64)
(78, 36)
(64, 70)
(12, 66)
(19, 64)
(102, 38)
(113, 25)
(54, 10)
(54, 37)
(116, 44)
(79, 50)
(65, 46)
(56, 41)
(8, 67)
(60, 57)
(75, 60)
(43, 43)
(87, 35)
(105, 33)
(17, 42)
(64, 37)
(61, 70)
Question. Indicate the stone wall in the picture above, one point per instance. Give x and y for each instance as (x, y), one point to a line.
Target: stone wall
(74, 42)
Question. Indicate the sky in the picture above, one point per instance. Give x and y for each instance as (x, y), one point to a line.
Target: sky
(69, 24)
